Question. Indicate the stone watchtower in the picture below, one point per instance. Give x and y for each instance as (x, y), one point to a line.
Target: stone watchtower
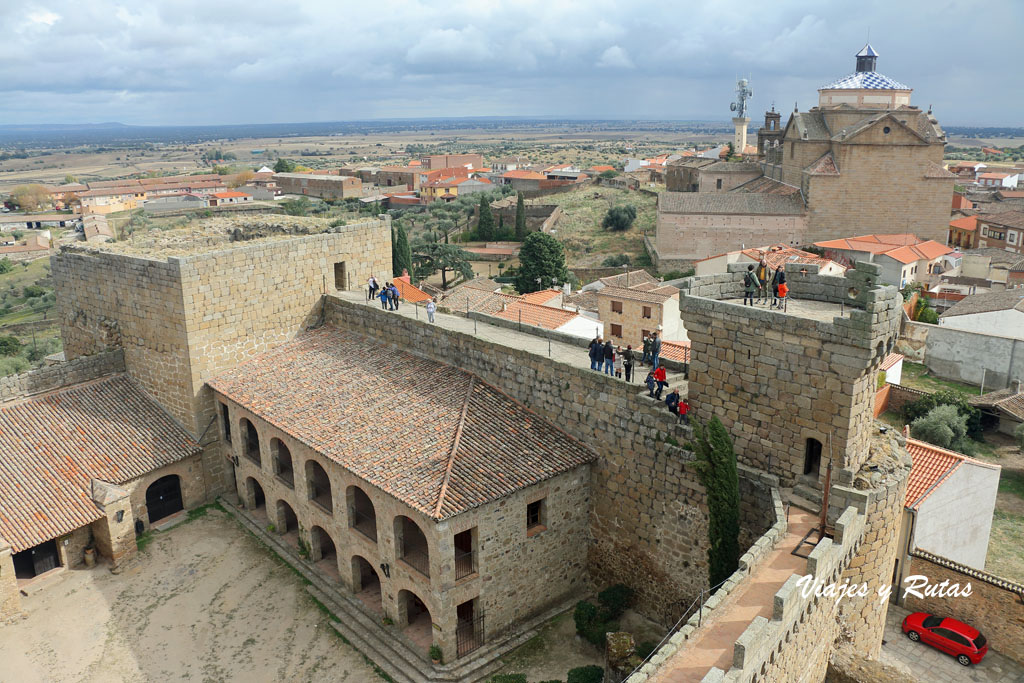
(796, 389)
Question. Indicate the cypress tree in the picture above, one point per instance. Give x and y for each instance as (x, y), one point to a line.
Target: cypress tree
(485, 226)
(520, 218)
(401, 253)
(716, 465)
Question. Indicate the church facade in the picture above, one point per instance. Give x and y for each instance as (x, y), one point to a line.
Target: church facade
(863, 160)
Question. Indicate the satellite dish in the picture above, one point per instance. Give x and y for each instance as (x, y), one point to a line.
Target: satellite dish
(732, 106)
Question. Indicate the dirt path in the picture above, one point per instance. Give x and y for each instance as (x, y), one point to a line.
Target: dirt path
(204, 603)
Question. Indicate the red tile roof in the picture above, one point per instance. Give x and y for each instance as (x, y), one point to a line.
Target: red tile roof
(409, 291)
(968, 223)
(654, 296)
(876, 244)
(429, 434)
(676, 350)
(891, 360)
(931, 467)
(601, 169)
(536, 315)
(541, 297)
(228, 195)
(54, 445)
(524, 175)
(924, 250)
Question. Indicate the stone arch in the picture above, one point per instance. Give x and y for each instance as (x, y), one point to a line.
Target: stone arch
(287, 520)
(414, 618)
(255, 498)
(366, 583)
(281, 459)
(318, 486)
(362, 516)
(323, 552)
(250, 440)
(411, 544)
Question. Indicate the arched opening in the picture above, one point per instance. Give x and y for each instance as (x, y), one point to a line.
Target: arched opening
(281, 457)
(366, 583)
(250, 441)
(414, 617)
(323, 552)
(812, 458)
(319, 486)
(163, 498)
(255, 498)
(361, 515)
(287, 523)
(411, 545)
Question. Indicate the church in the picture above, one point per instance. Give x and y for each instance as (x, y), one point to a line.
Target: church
(865, 160)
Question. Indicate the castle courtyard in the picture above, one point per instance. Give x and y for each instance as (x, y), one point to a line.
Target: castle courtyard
(203, 601)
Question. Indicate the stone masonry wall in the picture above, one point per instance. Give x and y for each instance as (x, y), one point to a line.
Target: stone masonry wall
(195, 486)
(648, 512)
(52, 377)
(996, 606)
(776, 380)
(686, 237)
(517, 575)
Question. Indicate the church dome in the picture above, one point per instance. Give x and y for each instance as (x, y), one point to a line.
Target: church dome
(865, 87)
(866, 80)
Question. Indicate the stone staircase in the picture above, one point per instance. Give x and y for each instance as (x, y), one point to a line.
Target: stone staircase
(384, 645)
(803, 496)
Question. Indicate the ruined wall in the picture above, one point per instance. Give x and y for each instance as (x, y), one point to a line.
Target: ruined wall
(776, 380)
(52, 377)
(648, 512)
(995, 607)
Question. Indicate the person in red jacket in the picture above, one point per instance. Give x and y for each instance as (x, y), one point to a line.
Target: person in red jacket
(661, 379)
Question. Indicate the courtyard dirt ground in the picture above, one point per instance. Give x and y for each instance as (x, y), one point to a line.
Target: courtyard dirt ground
(204, 602)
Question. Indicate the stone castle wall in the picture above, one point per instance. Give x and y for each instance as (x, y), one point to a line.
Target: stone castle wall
(684, 237)
(52, 377)
(648, 521)
(776, 380)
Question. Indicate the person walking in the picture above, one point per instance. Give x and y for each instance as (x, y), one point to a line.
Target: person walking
(431, 307)
(647, 349)
(596, 353)
(394, 296)
(371, 288)
(762, 281)
(651, 383)
(778, 280)
(627, 363)
(608, 353)
(750, 285)
(618, 362)
(385, 297)
(661, 380)
(655, 350)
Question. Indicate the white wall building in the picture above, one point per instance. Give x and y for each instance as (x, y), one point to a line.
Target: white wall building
(1000, 313)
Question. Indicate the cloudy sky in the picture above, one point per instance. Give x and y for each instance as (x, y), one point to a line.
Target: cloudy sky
(196, 61)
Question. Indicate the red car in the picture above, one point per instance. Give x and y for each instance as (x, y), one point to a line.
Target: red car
(949, 635)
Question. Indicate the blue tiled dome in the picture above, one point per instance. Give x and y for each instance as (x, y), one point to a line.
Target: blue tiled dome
(865, 80)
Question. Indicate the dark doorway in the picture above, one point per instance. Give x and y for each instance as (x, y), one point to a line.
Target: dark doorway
(37, 560)
(469, 629)
(163, 498)
(340, 281)
(812, 458)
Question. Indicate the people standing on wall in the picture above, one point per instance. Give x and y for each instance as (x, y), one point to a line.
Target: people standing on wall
(372, 287)
(651, 383)
(778, 280)
(750, 285)
(627, 362)
(662, 381)
(431, 308)
(608, 353)
(762, 279)
(385, 296)
(655, 350)
(647, 349)
(596, 353)
(394, 297)
(618, 362)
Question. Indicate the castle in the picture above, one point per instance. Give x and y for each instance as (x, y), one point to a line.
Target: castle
(863, 160)
(228, 364)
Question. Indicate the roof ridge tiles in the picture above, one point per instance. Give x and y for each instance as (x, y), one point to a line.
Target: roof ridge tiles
(455, 446)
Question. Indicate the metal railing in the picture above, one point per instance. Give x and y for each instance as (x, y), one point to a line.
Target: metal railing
(418, 559)
(364, 523)
(253, 454)
(465, 563)
(287, 476)
(321, 496)
(469, 636)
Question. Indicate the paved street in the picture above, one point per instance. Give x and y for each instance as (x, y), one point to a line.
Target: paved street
(932, 666)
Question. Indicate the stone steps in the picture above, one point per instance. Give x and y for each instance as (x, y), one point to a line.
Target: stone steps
(804, 497)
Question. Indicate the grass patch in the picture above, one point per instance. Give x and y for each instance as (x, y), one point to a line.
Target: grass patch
(144, 539)
(1006, 546)
(917, 376)
(196, 513)
(579, 229)
(1012, 482)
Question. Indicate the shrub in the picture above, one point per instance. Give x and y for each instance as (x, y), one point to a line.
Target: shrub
(677, 274)
(615, 600)
(586, 674)
(12, 365)
(33, 291)
(608, 174)
(5, 265)
(435, 653)
(508, 678)
(943, 426)
(619, 218)
(584, 615)
(925, 404)
(616, 260)
(645, 649)
(929, 316)
(9, 346)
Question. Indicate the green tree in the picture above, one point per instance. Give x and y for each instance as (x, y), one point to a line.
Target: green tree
(31, 197)
(32, 291)
(928, 315)
(432, 257)
(9, 346)
(943, 426)
(619, 218)
(5, 265)
(485, 226)
(716, 466)
(925, 404)
(296, 207)
(608, 174)
(401, 253)
(284, 166)
(541, 263)
(520, 218)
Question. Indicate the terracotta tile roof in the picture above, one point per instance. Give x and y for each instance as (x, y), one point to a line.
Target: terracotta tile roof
(586, 301)
(676, 350)
(1011, 219)
(755, 203)
(934, 170)
(453, 443)
(54, 445)
(409, 291)
(228, 195)
(826, 165)
(631, 279)
(779, 254)
(929, 249)
(536, 315)
(484, 283)
(932, 466)
(466, 298)
(766, 185)
(890, 360)
(524, 175)
(541, 297)
(601, 169)
(993, 176)
(1009, 400)
(656, 296)
(875, 244)
(968, 223)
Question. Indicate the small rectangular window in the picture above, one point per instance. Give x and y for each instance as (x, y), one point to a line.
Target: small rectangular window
(647, 311)
(718, 184)
(617, 330)
(535, 516)
(226, 419)
(616, 307)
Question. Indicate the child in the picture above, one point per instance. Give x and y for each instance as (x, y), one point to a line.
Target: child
(650, 382)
